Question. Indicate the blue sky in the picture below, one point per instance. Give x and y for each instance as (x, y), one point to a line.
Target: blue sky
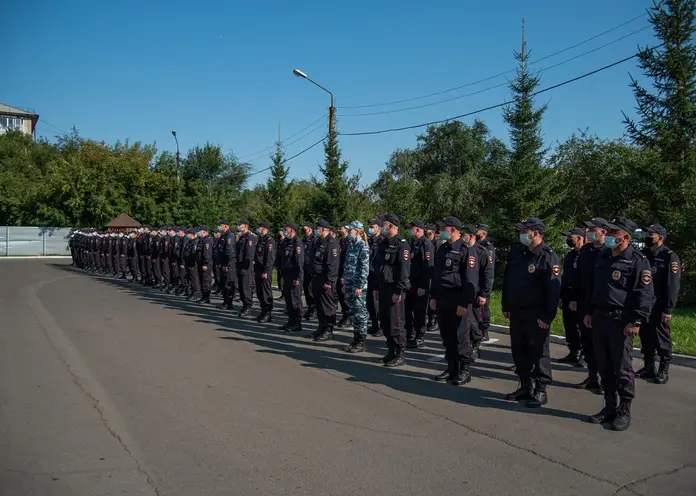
(221, 71)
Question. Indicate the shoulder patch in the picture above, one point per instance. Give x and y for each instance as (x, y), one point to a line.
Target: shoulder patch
(250, 242)
(674, 267)
(471, 261)
(207, 246)
(229, 241)
(405, 254)
(556, 269)
(270, 246)
(427, 255)
(646, 277)
(298, 250)
(490, 259)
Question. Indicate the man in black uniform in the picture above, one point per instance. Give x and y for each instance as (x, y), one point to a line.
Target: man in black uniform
(483, 309)
(324, 278)
(309, 246)
(132, 255)
(263, 270)
(140, 248)
(205, 264)
(655, 334)
(174, 244)
(572, 319)
(531, 289)
(374, 235)
(280, 244)
(341, 289)
(155, 256)
(454, 288)
(191, 262)
(182, 288)
(483, 284)
(227, 258)
(432, 315)
(392, 271)
(587, 257)
(246, 249)
(216, 260)
(164, 258)
(123, 254)
(621, 301)
(421, 274)
(292, 266)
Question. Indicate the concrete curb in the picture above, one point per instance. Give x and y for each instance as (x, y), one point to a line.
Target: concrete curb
(681, 360)
(31, 257)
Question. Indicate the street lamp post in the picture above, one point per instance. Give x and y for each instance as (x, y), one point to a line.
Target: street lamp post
(178, 157)
(332, 109)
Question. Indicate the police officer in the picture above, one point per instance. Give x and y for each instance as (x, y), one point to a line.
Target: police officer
(292, 267)
(182, 287)
(622, 299)
(324, 277)
(655, 334)
(432, 315)
(373, 237)
(164, 258)
(531, 289)
(174, 242)
(191, 262)
(227, 258)
(392, 271)
(483, 285)
(154, 257)
(572, 319)
(341, 286)
(246, 249)
(587, 257)
(279, 273)
(216, 260)
(421, 274)
(357, 268)
(140, 248)
(309, 246)
(263, 270)
(454, 288)
(483, 310)
(205, 263)
(132, 255)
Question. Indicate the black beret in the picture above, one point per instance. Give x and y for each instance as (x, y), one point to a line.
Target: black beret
(417, 223)
(308, 224)
(452, 222)
(430, 227)
(324, 223)
(392, 219)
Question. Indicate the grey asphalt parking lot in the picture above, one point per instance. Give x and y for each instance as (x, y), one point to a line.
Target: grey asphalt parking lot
(108, 388)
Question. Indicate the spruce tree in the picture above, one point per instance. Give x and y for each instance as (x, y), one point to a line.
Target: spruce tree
(277, 188)
(333, 203)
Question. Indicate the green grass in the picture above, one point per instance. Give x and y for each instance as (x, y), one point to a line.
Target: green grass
(683, 326)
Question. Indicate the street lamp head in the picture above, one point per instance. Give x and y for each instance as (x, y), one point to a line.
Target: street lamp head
(299, 73)
(174, 133)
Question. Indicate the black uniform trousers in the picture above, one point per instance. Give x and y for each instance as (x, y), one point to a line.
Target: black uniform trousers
(483, 316)
(530, 346)
(216, 275)
(371, 306)
(157, 270)
(183, 278)
(307, 288)
(342, 299)
(141, 267)
(109, 263)
(123, 265)
(264, 291)
(228, 283)
(244, 280)
(613, 354)
(206, 280)
(588, 349)
(656, 336)
(416, 311)
(148, 270)
(293, 299)
(194, 282)
(571, 324)
(455, 331)
(133, 262)
(164, 263)
(391, 317)
(325, 301)
(173, 273)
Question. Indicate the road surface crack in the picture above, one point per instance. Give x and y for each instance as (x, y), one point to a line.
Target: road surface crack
(363, 427)
(628, 485)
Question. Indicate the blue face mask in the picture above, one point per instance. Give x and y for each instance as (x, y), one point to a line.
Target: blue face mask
(410, 234)
(371, 232)
(284, 234)
(384, 231)
(444, 235)
(591, 236)
(351, 237)
(525, 239)
(610, 241)
(219, 229)
(258, 231)
(317, 233)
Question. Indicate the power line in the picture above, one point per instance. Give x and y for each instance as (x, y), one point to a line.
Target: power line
(439, 102)
(290, 158)
(312, 131)
(44, 121)
(394, 102)
(286, 139)
(568, 81)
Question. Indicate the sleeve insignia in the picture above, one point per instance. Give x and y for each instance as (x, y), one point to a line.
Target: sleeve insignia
(250, 242)
(207, 246)
(298, 250)
(556, 269)
(405, 254)
(427, 255)
(270, 246)
(674, 267)
(229, 241)
(472, 262)
(334, 252)
(646, 277)
(490, 259)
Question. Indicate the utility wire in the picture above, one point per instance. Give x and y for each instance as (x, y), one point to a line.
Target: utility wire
(544, 90)
(439, 102)
(289, 158)
(394, 102)
(285, 145)
(286, 139)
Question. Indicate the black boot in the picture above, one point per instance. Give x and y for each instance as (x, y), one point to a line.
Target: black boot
(389, 356)
(319, 330)
(522, 393)
(353, 343)
(295, 327)
(325, 335)
(464, 375)
(606, 414)
(433, 325)
(374, 329)
(572, 357)
(663, 374)
(539, 397)
(398, 359)
(309, 313)
(648, 370)
(623, 416)
(205, 298)
(361, 345)
(244, 312)
(344, 320)
(591, 384)
(475, 352)
(264, 316)
(285, 326)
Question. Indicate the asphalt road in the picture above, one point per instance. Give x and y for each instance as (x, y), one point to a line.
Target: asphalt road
(109, 388)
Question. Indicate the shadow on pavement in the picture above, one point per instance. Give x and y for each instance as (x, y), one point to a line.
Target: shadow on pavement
(365, 369)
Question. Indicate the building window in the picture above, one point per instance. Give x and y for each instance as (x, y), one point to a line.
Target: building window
(11, 123)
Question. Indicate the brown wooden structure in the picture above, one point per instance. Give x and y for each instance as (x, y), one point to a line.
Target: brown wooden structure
(122, 223)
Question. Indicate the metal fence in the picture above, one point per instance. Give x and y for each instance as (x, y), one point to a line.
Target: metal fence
(34, 241)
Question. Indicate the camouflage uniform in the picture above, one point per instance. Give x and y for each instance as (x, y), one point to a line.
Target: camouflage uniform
(357, 267)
